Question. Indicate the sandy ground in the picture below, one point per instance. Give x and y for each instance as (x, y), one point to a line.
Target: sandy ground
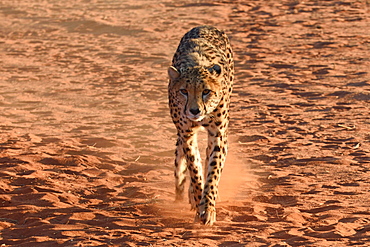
(87, 144)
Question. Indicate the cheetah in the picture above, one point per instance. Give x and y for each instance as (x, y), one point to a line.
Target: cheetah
(200, 85)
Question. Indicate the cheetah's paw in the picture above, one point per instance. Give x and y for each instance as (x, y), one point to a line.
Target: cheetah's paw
(208, 216)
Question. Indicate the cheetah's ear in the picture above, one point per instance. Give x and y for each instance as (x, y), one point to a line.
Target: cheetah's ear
(215, 69)
(173, 73)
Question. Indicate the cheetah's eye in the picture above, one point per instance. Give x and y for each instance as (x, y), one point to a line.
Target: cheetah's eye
(184, 92)
(206, 92)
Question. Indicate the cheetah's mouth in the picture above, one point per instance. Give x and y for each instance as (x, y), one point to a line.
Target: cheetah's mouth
(195, 118)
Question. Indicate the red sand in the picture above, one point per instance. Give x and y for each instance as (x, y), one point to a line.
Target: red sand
(87, 144)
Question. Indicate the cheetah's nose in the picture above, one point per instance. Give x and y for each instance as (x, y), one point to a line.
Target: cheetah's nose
(194, 111)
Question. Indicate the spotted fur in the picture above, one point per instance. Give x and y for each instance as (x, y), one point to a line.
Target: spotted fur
(200, 85)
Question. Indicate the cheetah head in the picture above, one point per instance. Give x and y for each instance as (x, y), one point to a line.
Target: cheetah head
(197, 89)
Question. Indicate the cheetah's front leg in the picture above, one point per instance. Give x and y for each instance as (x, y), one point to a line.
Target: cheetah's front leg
(187, 150)
(217, 152)
(180, 170)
